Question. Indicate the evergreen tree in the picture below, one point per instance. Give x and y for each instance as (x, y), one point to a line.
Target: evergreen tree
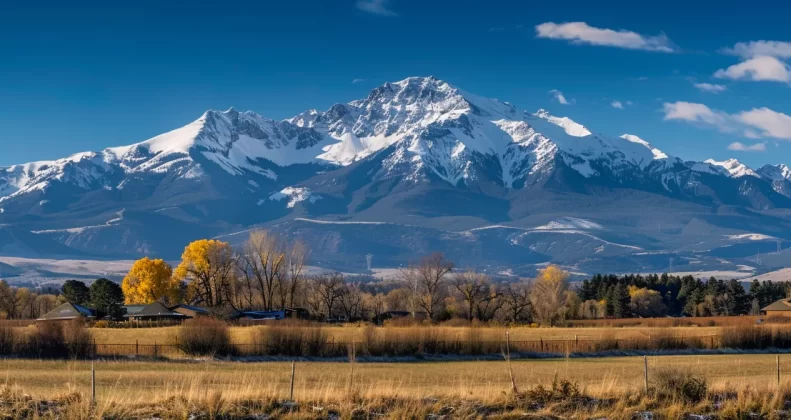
(107, 298)
(76, 292)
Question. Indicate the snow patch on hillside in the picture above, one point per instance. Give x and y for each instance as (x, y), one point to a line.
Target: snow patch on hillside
(294, 195)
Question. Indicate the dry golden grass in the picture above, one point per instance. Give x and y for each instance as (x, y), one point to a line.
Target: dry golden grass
(355, 332)
(143, 381)
(175, 389)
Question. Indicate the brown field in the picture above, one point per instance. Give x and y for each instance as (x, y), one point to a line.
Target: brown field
(355, 332)
(123, 387)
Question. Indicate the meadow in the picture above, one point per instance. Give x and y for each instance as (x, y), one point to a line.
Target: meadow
(215, 389)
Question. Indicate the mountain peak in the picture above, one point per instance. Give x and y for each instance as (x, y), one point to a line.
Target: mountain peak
(734, 167)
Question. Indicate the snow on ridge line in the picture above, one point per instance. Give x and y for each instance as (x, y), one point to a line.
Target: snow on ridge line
(339, 222)
(751, 236)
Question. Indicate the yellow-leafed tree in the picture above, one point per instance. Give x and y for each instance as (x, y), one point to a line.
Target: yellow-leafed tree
(548, 294)
(149, 281)
(207, 265)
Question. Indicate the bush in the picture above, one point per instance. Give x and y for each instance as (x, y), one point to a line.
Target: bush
(204, 337)
(77, 339)
(293, 340)
(8, 340)
(57, 340)
(679, 385)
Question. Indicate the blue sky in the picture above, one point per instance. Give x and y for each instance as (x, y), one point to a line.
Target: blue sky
(77, 76)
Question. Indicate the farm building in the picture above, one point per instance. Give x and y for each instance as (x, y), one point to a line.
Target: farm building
(781, 307)
(67, 312)
(152, 312)
(190, 311)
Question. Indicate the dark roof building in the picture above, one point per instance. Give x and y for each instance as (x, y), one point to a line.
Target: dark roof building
(68, 311)
(152, 312)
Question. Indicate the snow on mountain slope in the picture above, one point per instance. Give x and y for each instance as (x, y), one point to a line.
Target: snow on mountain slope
(428, 127)
(775, 172)
(733, 167)
(233, 141)
(454, 134)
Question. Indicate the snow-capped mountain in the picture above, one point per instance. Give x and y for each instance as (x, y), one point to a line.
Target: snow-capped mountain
(419, 154)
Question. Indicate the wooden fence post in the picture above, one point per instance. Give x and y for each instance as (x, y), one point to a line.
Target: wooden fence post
(508, 360)
(93, 384)
(645, 372)
(293, 369)
(137, 348)
(777, 362)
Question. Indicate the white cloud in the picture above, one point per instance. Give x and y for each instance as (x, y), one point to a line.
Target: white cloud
(697, 113)
(582, 33)
(558, 96)
(761, 68)
(778, 49)
(356, 81)
(617, 104)
(741, 147)
(377, 7)
(770, 123)
(755, 124)
(711, 88)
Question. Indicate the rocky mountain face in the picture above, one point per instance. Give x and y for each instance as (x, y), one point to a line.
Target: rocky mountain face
(418, 165)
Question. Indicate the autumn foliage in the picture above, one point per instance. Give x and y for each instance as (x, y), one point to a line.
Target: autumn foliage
(150, 280)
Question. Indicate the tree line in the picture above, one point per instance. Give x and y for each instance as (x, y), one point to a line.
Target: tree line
(267, 272)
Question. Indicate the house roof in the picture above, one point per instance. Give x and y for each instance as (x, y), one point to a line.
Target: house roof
(133, 309)
(191, 308)
(780, 305)
(260, 315)
(153, 309)
(68, 311)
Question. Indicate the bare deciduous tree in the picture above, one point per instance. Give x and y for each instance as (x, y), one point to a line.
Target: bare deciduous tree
(325, 292)
(474, 288)
(428, 280)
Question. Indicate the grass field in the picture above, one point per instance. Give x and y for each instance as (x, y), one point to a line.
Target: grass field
(351, 333)
(128, 386)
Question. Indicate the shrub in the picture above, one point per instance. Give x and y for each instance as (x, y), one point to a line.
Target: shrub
(204, 337)
(291, 340)
(562, 390)
(77, 339)
(8, 340)
(679, 385)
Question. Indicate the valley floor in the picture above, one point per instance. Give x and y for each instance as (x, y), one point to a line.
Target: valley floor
(135, 389)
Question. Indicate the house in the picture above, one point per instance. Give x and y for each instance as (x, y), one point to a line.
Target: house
(67, 312)
(152, 312)
(253, 315)
(190, 311)
(258, 316)
(781, 307)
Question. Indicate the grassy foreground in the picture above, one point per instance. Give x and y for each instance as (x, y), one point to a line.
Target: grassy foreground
(609, 387)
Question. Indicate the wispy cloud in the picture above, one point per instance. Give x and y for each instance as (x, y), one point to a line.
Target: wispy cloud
(559, 97)
(357, 81)
(710, 87)
(761, 69)
(778, 49)
(582, 33)
(756, 123)
(376, 7)
(497, 29)
(741, 147)
(617, 104)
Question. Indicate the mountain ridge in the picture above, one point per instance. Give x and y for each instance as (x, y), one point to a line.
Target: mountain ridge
(431, 157)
